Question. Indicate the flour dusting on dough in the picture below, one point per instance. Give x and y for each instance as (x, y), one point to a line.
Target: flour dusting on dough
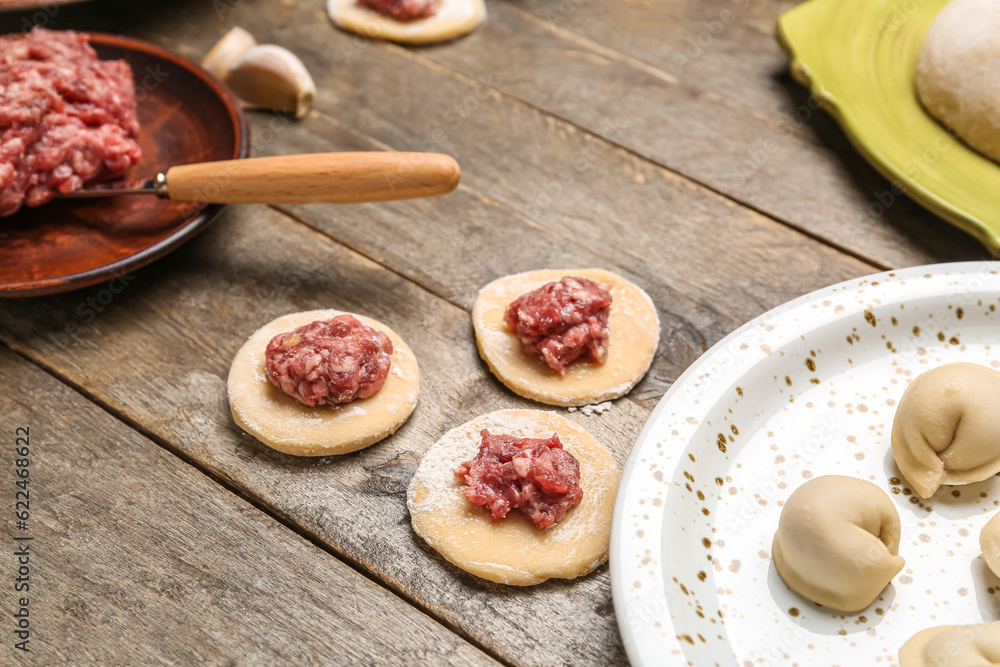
(589, 410)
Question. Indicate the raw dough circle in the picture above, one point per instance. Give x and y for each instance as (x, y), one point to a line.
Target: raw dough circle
(453, 19)
(281, 422)
(633, 324)
(512, 551)
(959, 71)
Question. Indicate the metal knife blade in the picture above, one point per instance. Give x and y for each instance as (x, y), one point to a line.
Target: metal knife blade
(112, 189)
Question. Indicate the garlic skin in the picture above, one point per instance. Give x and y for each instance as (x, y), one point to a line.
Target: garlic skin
(272, 77)
(227, 50)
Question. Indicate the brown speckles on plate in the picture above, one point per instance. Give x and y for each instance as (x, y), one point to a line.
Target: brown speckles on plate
(796, 428)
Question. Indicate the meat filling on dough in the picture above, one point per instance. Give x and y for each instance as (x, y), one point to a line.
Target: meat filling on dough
(563, 321)
(329, 362)
(402, 10)
(535, 475)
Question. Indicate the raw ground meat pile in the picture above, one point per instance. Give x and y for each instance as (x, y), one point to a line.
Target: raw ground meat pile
(563, 321)
(66, 117)
(534, 475)
(402, 10)
(331, 362)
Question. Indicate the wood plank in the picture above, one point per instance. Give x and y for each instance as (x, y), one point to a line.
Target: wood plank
(802, 172)
(546, 202)
(724, 46)
(371, 87)
(710, 263)
(138, 558)
(159, 353)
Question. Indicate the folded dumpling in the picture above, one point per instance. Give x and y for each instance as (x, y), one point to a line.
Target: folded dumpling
(838, 542)
(953, 646)
(947, 427)
(989, 541)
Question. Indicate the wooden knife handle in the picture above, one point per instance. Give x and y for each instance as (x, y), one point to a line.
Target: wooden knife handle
(333, 178)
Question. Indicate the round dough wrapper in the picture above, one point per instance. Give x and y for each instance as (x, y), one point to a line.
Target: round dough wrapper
(945, 428)
(957, 73)
(512, 551)
(953, 646)
(453, 19)
(838, 542)
(281, 422)
(989, 542)
(633, 324)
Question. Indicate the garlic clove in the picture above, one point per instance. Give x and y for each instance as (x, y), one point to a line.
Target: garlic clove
(272, 77)
(227, 50)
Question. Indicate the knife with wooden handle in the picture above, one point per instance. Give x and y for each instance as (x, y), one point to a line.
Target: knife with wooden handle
(330, 178)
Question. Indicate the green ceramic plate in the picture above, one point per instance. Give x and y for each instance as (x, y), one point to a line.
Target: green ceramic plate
(859, 57)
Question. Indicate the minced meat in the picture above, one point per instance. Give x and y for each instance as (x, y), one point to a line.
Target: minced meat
(402, 10)
(563, 321)
(66, 117)
(534, 475)
(329, 362)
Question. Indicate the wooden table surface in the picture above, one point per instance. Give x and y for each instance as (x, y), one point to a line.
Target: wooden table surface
(660, 139)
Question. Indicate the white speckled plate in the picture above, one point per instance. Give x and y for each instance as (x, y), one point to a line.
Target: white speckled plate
(807, 389)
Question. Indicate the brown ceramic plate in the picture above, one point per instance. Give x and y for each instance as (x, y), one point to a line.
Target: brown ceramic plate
(17, 5)
(186, 116)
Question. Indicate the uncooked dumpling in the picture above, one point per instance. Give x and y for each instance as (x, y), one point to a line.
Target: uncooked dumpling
(953, 646)
(280, 421)
(633, 324)
(947, 427)
(989, 542)
(958, 74)
(838, 542)
(511, 551)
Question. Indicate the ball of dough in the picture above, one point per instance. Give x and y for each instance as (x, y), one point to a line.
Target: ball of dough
(512, 551)
(958, 73)
(453, 19)
(989, 542)
(838, 542)
(633, 325)
(947, 427)
(281, 422)
(953, 646)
